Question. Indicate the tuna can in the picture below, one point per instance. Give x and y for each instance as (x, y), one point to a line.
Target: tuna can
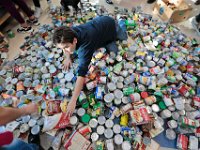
(119, 85)
(40, 121)
(100, 130)
(126, 108)
(73, 120)
(108, 133)
(172, 124)
(25, 119)
(93, 123)
(94, 137)
(85, 130)
(102, 80)
(135, 97)
(108, 98)
(126, 145)
(125, 100)
(101, 120)
(35, 130)
(109, 123)
(117, 102)
(150, 100)
(116, 128)
(155, 108)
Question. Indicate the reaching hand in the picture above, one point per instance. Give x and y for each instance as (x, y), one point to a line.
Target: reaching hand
(66, 64)
(71, 107)
(30, 108)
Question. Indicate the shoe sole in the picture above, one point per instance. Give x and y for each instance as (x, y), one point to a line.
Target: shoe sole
(24, 32)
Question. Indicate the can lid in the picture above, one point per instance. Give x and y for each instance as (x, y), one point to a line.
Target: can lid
(100, 130)
(35, 130)
(73, 120)
(32, 122)
(162, 105)
(93, 123)
(94, 136)
(109, 123)
(116, 128)
(101, 120)
(108, 133)
(85, 118)
(126, 145)
(118, 139)
(81, 111)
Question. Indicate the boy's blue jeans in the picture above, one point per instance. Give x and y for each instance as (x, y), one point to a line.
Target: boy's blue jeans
(20, 145)
(121, 35)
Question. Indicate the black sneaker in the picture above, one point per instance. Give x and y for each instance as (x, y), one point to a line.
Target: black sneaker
(150, 1)
(25, 29)
(197, 2)
(35, 139)
(33, 22)
(109, 1)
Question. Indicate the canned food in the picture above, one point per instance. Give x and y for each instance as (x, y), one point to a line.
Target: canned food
(24, 128)
(108, 133)
(94, 137)
(165, 114)
(32, 122)
(110, 144)
(118, 139)
(172, 124)
(73, 120)
(118, 94)
(101, 120)
(35, 130)
(108, 98)
(111, 86)
(116, 128)
(109, 123)
(85, 130)
(126, 145)
(100, 130)
(81, 112)
(93, 123)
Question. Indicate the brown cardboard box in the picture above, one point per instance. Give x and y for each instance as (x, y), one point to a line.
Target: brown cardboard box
(172, 11)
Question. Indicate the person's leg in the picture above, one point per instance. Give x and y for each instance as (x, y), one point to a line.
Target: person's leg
(10, 7)
(196, 23)
(36, 3)
(20, 145)
(38, 9)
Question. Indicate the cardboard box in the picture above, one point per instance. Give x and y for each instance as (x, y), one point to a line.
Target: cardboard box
(172, 11)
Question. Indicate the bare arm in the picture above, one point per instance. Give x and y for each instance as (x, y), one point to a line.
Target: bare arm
(78, 87)
(9, 114)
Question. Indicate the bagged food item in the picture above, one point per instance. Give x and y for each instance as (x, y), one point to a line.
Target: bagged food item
(56, 106)
(57, 121)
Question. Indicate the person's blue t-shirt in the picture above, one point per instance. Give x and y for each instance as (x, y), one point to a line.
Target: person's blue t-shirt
(94, 34)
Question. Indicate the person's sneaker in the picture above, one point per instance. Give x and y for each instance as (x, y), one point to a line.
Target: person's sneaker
(35, 139)
(197, 2)
(38, 12)
(195, 25)
(109, 2)
(33, 22)
(150, 1)
(25, 29)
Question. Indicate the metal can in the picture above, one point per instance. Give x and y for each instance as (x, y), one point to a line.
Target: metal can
(73, 120)
(126, 145)
(135, 97)
(182, 142)
(102, 80)
(93, 123)
(116, 128)
(108, 98)
(170, 134)
(172, 124)
(126, 108)
(165, 114)
(101, 120)
(118, 94)
(119, 85)
(91, 85)
(35, 130)
(32, 122)
(100, 130)
(94, 137)
(108, 133)
(109, 123)
(25, 119)
(81, 112)
(24, 128)
(118, 139)
(193, 143)
(111, 86)
(110, 144)
(124, 120)
(150, 100)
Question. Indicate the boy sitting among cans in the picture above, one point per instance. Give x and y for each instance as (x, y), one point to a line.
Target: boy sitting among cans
(100, 32)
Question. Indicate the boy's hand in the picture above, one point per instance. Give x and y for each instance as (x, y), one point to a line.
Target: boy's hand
(71, 107)
(66, 64)
(30, 109)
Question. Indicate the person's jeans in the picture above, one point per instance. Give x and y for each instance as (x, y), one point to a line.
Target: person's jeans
(20, 145)
(198, 18)
(121, 35)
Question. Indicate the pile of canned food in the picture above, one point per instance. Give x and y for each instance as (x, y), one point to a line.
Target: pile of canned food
(150, 87)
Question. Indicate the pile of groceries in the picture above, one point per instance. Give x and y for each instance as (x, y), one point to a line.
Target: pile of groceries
(151, 87)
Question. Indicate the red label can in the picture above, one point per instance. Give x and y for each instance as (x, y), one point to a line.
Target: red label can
(182, 142)
(85, 130)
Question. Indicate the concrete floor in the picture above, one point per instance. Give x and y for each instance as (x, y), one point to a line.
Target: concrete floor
(15, 43)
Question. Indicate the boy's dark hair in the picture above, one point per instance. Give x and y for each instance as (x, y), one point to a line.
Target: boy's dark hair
(63, 35)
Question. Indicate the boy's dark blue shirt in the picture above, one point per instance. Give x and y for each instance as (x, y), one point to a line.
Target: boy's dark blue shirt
(94, 34)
